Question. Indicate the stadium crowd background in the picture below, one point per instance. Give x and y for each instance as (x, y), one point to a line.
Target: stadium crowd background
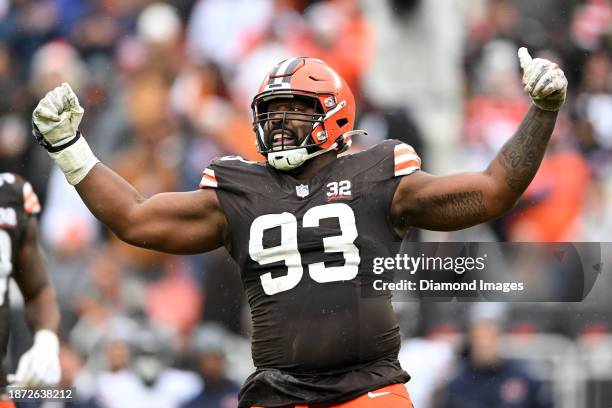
(166, 87)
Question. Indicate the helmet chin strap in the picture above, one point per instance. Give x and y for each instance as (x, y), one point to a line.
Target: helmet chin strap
(290, 159)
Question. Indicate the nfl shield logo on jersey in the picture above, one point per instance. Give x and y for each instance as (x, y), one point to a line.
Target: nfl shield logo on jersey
(301, 190)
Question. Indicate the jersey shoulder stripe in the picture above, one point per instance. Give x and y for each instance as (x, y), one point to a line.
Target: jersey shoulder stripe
(208, 179)
(232, 173)
(31, 204)
(406, 161)
(386, 160)
(16, 191)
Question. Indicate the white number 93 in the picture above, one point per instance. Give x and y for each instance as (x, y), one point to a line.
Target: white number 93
(288, 251)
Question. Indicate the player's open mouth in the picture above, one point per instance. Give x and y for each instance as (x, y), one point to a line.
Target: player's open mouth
(282, 139)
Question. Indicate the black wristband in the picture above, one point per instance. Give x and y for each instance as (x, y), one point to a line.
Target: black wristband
(55, 149)
(40, 139)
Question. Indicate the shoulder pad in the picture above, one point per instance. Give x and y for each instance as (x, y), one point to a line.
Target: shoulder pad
(19, 192)
(232, 173)
(391, 157)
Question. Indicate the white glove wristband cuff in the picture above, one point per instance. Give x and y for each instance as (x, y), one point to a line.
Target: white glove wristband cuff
(47, 339)
(75, 161)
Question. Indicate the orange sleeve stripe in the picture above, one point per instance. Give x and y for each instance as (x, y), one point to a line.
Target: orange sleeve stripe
(403, 150)
(209, 177)
(31, 201)
(31, 205)
(407, 157)
(406, 164)
(32, 209)
(30, 198)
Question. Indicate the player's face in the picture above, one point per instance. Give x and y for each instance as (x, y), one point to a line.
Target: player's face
(289, 124)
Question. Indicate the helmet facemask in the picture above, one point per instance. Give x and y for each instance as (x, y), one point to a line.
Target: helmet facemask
(268, 125)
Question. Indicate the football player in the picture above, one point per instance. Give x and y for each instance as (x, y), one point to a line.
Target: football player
(21, 259)
(305, 225)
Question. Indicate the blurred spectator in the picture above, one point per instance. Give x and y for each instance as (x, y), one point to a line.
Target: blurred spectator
(217, 28)
(218, 391)
(75, 375)
(596, 219)
(428, 361)
(264, 49)
(335, 31)
(387, 123)
(101, 26)
(7, 83)
(151, 163)
(174, 301)
(96, 331)
(591, 21)
(501, 20)
(199, 94)
(497, 105)
(160, 28)
(339, 34)
(67, 225)
(143, 379)
(54, 63)
(593, 105)
(27, 25)
(111, 287)
(485, 379)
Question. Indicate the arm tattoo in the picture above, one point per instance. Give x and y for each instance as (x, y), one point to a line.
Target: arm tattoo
(522, 154)
(464, 205)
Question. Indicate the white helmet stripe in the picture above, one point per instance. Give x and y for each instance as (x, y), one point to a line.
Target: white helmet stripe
(281, 71)
(291, 68)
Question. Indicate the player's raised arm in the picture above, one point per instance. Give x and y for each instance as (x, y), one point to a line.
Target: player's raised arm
(181, 223)
(462, 200)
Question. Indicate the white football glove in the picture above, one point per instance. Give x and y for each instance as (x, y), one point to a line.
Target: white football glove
(55, 123)
(58, 116)
(40, 365)
(543, 80)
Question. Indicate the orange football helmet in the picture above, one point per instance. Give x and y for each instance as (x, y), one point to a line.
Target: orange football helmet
(332, 123)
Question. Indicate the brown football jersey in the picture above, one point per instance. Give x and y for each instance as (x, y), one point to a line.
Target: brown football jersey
(305, 251)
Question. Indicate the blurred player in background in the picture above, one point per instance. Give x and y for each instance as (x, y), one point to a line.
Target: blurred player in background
(22, 260)
(305, 226)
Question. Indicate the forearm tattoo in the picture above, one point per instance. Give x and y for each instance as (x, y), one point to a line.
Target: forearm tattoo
(522, 154)
(464, 205)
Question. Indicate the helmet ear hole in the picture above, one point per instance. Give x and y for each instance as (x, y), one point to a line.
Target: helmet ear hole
(342, 122)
